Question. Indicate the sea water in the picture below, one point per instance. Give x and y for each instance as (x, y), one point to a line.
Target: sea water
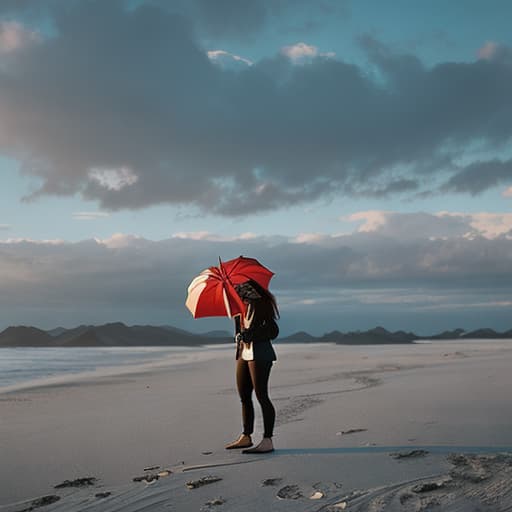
(18, 365)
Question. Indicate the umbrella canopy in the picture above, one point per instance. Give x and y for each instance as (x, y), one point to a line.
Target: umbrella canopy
(212, 292)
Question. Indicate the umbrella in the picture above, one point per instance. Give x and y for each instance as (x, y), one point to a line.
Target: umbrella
(212, 292)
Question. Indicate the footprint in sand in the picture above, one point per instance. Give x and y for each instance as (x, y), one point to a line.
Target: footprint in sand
(351, 431)
(41, 502)
(78, 482)
(102, 494)
(205, 480)
(271, 482)
(289, 492)
(327, 487)
(213, 503)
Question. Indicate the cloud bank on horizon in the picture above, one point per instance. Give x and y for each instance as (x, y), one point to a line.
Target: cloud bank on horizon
(122, 103)
(411, 266)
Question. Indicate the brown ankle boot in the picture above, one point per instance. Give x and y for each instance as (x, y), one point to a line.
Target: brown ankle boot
(244, 441)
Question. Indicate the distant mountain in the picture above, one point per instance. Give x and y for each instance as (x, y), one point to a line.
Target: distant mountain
(447, 335)
(376, 336)
(176, 330)
(22, 336)
(118, 334)
(298, 337)
(483, 334)
(57, 331)
(109, 335)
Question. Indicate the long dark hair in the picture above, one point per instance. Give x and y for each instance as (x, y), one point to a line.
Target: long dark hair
(266, 306)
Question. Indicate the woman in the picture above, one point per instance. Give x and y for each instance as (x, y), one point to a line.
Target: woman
(255, 356)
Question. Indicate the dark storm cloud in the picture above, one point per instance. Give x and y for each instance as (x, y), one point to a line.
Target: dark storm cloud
(480, 176)
(124, 106)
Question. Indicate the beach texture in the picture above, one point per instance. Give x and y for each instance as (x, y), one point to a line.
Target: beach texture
(398, 427)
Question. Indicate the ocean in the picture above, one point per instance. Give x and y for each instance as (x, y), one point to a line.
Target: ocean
(21, 365)
(18, 365)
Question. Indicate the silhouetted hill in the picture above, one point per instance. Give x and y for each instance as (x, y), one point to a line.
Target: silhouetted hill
(448, 335)
(483, 334)
(176, 330)
(21, 336)
(376, 336)
(118, 334)
(114, 334)
(57, 331)
(298, 337)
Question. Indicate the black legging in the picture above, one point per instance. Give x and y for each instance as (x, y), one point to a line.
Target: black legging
(254, 375)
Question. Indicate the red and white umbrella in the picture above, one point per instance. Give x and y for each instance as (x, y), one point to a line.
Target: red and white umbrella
(212, 292)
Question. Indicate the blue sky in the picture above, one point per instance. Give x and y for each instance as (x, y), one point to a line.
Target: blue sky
(380, 130)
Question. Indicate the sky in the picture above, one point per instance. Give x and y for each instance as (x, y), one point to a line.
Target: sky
(360, 150)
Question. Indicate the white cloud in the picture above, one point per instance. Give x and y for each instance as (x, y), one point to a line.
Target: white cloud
(89, 215)
(306, 238)
(14, 36)
(212, 237)
(113, 179)
(31, 241)
(120, 241)
(491, 225)
(488, 50)
(228, 60)
(4, 227)
(195, 235)
(372, 220)
(507, 192)
(433, 226)
(301, 52)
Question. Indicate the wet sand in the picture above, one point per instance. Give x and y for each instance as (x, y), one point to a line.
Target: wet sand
(351, 424)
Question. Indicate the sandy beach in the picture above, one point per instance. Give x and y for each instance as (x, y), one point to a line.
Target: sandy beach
(396, 427)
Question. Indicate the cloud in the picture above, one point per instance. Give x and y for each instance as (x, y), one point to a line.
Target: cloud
(152, 120)
(113, 179)
(492, 51)
(228, 60)
(206, 235)
(14, 36)
(4, 227)
(488, 50)
(382, 266)
(302, 52)
(442, 225)
(409, 226)
(480, 176)
(491, 225)
(507, 192)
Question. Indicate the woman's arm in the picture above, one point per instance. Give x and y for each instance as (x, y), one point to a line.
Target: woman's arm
(261, 331)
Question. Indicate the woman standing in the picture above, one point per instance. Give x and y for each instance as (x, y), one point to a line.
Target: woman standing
(255, 356)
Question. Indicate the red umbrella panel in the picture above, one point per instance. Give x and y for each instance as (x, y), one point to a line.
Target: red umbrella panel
(243, 269)
(212, 292)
